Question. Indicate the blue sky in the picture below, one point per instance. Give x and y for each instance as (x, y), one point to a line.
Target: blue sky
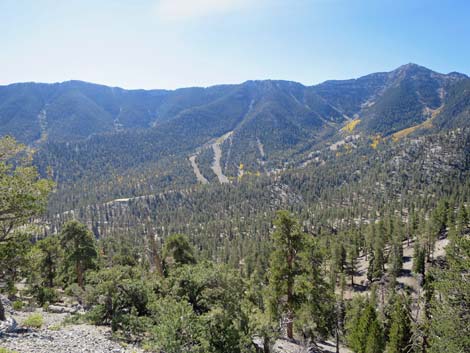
(179, 43)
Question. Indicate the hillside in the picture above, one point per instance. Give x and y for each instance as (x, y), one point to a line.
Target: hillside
(225, 219)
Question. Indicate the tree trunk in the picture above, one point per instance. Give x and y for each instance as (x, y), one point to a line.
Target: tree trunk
(2, 312)
(337, 340)
(266, 348)
(50, 277)
(424, 346)
(290, 325)
(290, 299)
(155, 258)
(79, 275)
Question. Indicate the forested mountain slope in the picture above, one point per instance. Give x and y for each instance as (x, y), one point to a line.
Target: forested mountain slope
(100, 143)
(389, 102)
(173, 210)
(340, 186)
(385, 103)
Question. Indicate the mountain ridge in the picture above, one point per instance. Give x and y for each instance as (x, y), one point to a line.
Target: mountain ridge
(84, 131)
(73, 110)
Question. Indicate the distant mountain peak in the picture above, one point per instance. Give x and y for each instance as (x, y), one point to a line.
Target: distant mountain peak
(412, 68)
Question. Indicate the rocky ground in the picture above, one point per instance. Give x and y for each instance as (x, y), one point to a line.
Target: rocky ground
(285, 346)
(54, 336)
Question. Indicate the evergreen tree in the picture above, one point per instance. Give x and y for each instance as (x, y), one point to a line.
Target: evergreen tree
(419, 259)
(376, 262)
(285, 266)
(462, 220)
(395, 258)
(23, 195)
(316, 308)
(366, 335)
(374, 341)
(80, 249)
(178, 250)
(450, 308)
(400, 330)
(50, 260)
(439, 217)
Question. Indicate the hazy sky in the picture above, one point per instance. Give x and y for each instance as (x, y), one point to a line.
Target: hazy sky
(177, 43)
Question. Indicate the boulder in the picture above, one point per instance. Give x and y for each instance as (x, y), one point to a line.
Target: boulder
(59, 309)
(56, 309)
(7, 326)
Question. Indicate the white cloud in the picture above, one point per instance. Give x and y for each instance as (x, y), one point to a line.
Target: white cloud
(182, 10)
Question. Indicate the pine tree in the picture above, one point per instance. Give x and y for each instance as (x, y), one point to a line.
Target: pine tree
(80, 250)
(462, 220)
(285, 265)
(450, 308)
(50, 259)
(376, 262)
(419, 259)
(395, 258)
(375, 341)
(178, 250)
(400, 330)
(365, 334)
(439, 217)
(24, 195)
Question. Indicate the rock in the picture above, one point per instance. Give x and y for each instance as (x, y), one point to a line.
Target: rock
(6, 302)
(81, 338)
(8, 326)
(59, 309)
(56, 309)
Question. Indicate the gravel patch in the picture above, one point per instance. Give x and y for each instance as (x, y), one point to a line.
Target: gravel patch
(54, 338)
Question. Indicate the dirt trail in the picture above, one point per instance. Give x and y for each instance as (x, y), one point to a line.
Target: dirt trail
(216, 167)
(216, 145)
(201, 178)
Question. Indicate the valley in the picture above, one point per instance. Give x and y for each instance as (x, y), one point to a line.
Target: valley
(184, 199)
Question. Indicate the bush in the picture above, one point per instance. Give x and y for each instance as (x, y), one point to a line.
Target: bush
(45, 295)
(119, 297)
(176, 326)
(34, 321)
(75, 292)
(17, 305)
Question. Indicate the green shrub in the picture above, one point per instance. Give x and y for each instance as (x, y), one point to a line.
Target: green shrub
(6, 350)
(45, 295)
(75, 319)
(74, 291)
(176, 326)
(55, 327)
(34, 321)
(18, 305)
